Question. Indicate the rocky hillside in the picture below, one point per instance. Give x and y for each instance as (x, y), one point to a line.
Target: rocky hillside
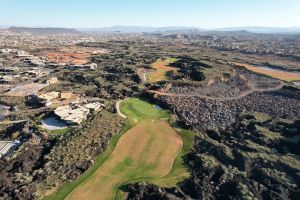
(255, 159)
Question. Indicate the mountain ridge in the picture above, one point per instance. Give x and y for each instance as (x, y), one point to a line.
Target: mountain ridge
(43, 30)
(149, 29)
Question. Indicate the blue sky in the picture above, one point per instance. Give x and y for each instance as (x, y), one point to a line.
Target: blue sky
(157, 13)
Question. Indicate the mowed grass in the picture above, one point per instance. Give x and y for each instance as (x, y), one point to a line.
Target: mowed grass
(179, 171)
(278, 74)
(68, 187)
(136, 109)
(148, 150)
(161, 67)
(61, 131)
(151, 151)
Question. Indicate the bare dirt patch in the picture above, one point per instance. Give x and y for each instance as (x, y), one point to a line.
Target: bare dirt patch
(25, 89)
(73, 55)
(78, 58)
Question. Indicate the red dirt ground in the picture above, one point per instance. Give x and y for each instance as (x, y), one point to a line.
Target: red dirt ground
(78, 58)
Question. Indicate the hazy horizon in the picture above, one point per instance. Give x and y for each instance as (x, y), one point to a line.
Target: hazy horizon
(207, 14)
(283, 27)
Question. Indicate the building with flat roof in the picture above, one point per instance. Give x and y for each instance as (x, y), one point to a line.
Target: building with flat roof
(7, 147)
(76, 113)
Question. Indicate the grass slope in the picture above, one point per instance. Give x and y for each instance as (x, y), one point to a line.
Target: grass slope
(68, 187)
(179, 171)
(151, 151)
(137, 109)
(131, 108)
(161, 68)
(61, 131)
(147, 150)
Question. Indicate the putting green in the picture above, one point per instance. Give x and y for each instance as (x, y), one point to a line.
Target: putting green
(137, 109)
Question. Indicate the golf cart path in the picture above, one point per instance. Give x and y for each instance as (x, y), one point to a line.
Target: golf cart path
(118, 109)
(246, 93)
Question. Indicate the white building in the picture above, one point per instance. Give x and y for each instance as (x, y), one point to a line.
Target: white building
(76, 113)
(7, 147)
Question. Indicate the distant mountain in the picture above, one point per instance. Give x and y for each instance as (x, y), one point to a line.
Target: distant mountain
(136, 29)
(4, 26)
(148, 29)
(43, 30)
(259, 29)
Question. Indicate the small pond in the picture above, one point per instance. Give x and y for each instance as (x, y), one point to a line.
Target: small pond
(296, 83)
(53, 123)
(157, 107)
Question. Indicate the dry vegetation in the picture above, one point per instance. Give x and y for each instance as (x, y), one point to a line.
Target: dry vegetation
(278, 74)
(161, 67)
(253, 156)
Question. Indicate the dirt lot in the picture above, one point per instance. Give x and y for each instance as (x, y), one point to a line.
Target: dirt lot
(27, 89)
(69, 57)
(72, 55)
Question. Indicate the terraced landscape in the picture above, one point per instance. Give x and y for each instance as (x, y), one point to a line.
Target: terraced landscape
(150, 151)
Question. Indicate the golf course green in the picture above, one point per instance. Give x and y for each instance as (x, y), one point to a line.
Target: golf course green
(151, 151)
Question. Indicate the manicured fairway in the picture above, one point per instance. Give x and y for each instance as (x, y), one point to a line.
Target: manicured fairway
(151, 151)
(161, 68)
(148, 151)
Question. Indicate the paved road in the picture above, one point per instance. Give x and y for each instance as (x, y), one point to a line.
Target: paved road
(13, 122)
(246, 93)
(118, 109)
